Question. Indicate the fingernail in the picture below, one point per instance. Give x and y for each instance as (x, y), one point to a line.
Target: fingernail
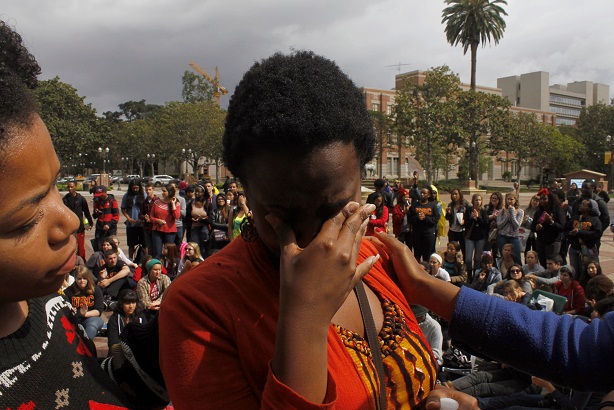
(369, 208)
(352, 207)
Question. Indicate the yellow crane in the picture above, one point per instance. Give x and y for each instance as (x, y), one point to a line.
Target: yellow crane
(215, 81)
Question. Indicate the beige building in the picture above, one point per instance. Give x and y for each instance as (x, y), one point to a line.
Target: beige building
(533, 90)
(397, 161)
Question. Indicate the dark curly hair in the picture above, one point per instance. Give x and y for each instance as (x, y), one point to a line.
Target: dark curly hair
(18, 74)
(295, 103)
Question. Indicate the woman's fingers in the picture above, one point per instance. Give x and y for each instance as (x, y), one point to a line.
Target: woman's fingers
(285, 235)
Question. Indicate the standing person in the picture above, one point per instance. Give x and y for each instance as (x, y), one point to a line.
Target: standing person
(549, 225)
(77, 203)
(588, 192)
(508, 221)
(281, 335)
(187, 220)
(163, 215)
(476, 231)
(46, 360)
(179, 221)
(238, 217)
(379, 219)
(424, 220)
(106, 213)
(602, 193)
(86, 300)
(400, 218)
(495, 204)
(145, 211)
(131, 209)
(573, 193)
(455, 215)
(219, 225)
(527, 241)
(584, 231)
(151, 288)
(200, 221)
(380, 188)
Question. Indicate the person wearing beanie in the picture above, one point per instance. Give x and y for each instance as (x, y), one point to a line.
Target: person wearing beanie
(151, 288)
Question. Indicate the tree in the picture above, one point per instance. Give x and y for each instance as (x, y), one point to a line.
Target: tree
(482, 119)
(595, 124)
(427, 114)
(137, 110)
(518, 137)
(196, 88)
(73, 125)
(191, 126)
(554, 150)
(471, 22)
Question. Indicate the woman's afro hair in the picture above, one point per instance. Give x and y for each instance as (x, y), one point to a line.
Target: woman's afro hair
(295, 103)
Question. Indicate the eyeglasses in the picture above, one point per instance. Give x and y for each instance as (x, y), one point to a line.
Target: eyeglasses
(515, 271)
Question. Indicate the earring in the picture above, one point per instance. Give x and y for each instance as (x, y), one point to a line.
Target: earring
(248, 230)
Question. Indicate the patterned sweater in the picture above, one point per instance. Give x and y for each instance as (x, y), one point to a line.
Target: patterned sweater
(48, 363)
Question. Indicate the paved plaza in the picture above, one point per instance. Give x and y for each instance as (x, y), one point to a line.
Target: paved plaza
(606, 256)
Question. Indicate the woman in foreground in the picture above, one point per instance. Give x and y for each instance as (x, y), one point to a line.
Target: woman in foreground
(282, 328)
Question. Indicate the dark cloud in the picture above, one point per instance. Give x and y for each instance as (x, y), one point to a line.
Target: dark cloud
(115, 51)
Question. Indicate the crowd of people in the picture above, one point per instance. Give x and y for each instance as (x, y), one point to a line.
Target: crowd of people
(297, 310)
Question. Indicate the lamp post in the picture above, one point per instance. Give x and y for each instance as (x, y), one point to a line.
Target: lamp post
(126, 161)
(151, 158)
(186, 158)
(611, 183)
(104, 153)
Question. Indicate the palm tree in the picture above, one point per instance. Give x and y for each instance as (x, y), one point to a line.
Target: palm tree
(471, 22)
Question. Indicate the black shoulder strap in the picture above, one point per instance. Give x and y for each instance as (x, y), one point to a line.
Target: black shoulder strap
(372, 340)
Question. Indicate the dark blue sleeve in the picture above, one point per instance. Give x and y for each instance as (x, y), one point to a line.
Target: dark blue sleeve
(556, 348)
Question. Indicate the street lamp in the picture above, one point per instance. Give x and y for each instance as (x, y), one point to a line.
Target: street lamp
(611, 183)
(151, 158)
(189, 152)
(104, 153)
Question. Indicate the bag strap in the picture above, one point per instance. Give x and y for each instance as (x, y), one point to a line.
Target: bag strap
(372, 340)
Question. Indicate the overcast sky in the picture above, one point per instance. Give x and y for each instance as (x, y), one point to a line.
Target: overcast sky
(114, 51)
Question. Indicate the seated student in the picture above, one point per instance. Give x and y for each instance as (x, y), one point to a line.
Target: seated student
(570, 288)
(550, 276)
(114, 276)
(486, 275)
(516, 275)
(532, 265)
(591, 270)
(125, 311)
(454, 264)
(151, 288)
(86, 300)
(490, 383)
(514, 293)
(436, 270)
(170, 260)
(121, 255)
(543, 394)
(597, 289)
(605, 305)
(96, 260)
(431, 329)
(191, 257)
(141, 271)
(507, 260)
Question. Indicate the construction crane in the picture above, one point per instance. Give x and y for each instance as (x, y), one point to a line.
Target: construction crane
(215, 81)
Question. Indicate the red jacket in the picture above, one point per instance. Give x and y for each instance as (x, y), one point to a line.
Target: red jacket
(380, 222)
